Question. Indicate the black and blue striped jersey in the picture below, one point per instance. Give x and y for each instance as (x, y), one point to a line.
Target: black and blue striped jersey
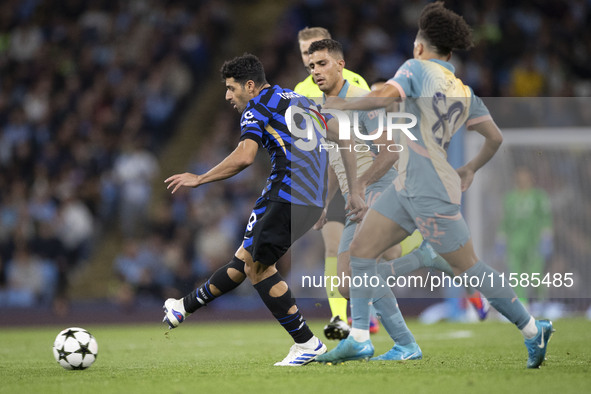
(299, 166)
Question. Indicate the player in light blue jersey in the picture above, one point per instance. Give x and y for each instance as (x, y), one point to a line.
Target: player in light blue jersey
(375, 173)
(427, 192)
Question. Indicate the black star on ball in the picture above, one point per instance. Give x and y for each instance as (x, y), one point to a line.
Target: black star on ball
(70, 334)
(63, 353)
(83, 350)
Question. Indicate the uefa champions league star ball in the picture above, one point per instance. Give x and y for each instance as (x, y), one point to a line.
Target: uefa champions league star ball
(75, 348)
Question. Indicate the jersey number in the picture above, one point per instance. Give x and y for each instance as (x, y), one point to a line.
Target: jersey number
(446, 118)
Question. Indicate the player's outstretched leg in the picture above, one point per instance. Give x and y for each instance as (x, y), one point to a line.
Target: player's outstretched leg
(357, 346)
(222, 281)
(422, 257)
(348, 350)
(387, 309)
(412, 351)
(536, 346)
(426, 257)
(303, 353)
(174, 312)
(277, 297)
(537, 333)
(374, 323)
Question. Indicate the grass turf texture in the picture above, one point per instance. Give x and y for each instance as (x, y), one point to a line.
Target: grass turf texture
(238, 357)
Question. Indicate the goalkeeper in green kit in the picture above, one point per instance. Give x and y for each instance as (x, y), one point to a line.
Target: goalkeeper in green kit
(526, 232)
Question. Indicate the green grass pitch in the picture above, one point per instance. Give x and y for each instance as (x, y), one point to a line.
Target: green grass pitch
(238, 357)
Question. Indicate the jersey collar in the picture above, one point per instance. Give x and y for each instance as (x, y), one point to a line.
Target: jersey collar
(267, 88)
(447, 65)
(342, 92)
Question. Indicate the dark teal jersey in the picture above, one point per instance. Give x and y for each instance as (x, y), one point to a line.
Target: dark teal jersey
(298, 173)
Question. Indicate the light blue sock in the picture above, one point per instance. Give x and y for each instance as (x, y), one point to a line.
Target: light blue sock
(423, 257)
(361, 295)
(400, 266)
(502, 298)
(387, 310)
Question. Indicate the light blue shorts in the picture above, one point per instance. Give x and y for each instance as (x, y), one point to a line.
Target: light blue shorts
(372, 194)
(440, 222)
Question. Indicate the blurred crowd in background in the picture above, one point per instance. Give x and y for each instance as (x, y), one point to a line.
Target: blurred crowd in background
(90, 91)
(523, 48)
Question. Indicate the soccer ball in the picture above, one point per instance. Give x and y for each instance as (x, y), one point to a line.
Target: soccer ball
(75, 348)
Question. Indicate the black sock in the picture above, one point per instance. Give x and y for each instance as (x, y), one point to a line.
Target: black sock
(293, 323)
(220, 279)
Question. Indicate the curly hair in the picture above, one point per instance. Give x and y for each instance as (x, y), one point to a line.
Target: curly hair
(244, 68)
(444, 29)
(332, 46)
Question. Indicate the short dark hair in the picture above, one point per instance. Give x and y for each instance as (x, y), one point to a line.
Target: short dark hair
(332, 46)
(243, 69)
(444, 29)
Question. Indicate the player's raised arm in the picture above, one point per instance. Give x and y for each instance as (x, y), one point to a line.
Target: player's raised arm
(379, 98)
(493, 139)
(238, 160)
